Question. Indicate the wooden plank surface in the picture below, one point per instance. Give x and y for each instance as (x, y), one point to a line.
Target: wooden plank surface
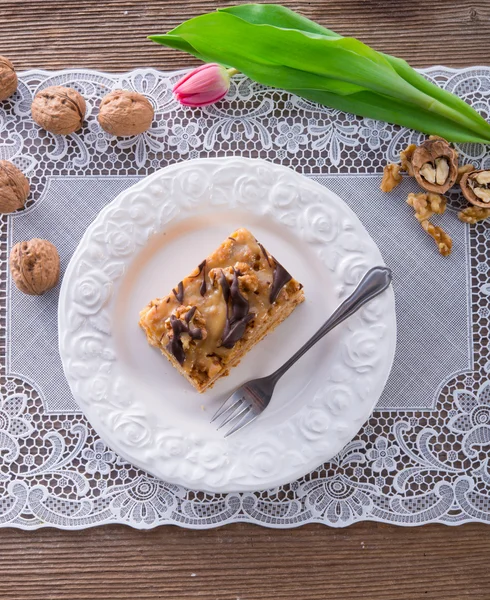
(367, 561)
(111, 34)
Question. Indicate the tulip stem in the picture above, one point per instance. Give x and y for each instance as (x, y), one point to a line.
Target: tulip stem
(232, 72)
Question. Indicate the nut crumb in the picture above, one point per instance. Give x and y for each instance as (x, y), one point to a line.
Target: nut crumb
(442, 239)
(391, 177)
(474, 214)
(426, 204)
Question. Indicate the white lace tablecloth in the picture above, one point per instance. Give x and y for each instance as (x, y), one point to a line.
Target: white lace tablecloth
(421, 458)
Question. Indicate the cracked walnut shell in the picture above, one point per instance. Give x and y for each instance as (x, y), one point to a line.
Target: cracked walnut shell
(476, 188)
(8, 79)
(435, 165)
(59, 109)
(35, 266)
(14, 187)
(124, 113)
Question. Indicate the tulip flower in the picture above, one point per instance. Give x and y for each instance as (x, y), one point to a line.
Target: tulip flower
(205, 85)
(277, 47)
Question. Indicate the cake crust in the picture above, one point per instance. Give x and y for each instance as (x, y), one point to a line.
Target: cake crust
(214, 316)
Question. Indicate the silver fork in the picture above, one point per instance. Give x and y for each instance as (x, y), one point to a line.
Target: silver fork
(253, 397)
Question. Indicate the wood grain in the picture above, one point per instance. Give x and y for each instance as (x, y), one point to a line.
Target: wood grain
(368, 561)
(111, 34)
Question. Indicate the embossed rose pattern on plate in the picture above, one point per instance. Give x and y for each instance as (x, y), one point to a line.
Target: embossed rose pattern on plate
(258, 458)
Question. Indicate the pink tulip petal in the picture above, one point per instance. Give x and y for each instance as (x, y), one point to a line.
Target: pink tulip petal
(204, 85)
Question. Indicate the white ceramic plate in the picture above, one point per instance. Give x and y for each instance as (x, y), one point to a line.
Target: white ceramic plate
(144, 242)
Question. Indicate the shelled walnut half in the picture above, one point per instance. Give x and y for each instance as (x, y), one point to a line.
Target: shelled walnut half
(474, 214)
(435, 165)
(476, 188)
(441, 238)
(426, 205)
(391, 177)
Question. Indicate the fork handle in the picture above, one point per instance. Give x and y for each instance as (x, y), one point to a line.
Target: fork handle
(375, 281)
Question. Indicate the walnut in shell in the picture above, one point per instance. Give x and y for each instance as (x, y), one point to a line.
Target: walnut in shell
(124, 113)
(435, 165)
(35, 266)
(8, 79)
(59, 109)
(476, 188)
(14, 187)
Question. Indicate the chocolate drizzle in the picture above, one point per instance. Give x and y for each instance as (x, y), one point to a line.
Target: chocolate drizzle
(202, 269)
(179, 294)
(175, 345)
(225, 287)
(264, 252)
(237, 311)
(279, 280)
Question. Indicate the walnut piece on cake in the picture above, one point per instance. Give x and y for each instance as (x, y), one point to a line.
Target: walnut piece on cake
(214, 316)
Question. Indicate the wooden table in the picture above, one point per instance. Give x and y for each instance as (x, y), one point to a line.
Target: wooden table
(367, 561)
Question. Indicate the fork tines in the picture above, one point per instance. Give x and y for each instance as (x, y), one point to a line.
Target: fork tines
(237, 410)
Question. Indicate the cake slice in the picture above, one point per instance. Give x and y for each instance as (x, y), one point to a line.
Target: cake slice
(218, 313)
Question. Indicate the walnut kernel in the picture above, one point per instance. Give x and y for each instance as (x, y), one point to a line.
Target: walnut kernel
(442, 239)
(35, 266)
(59, 109)
(196, 322)
(14, 187)
(8, 79)
(124, 113)
(426, 205)
(247, 280)
(474, 214)
(391, 177)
